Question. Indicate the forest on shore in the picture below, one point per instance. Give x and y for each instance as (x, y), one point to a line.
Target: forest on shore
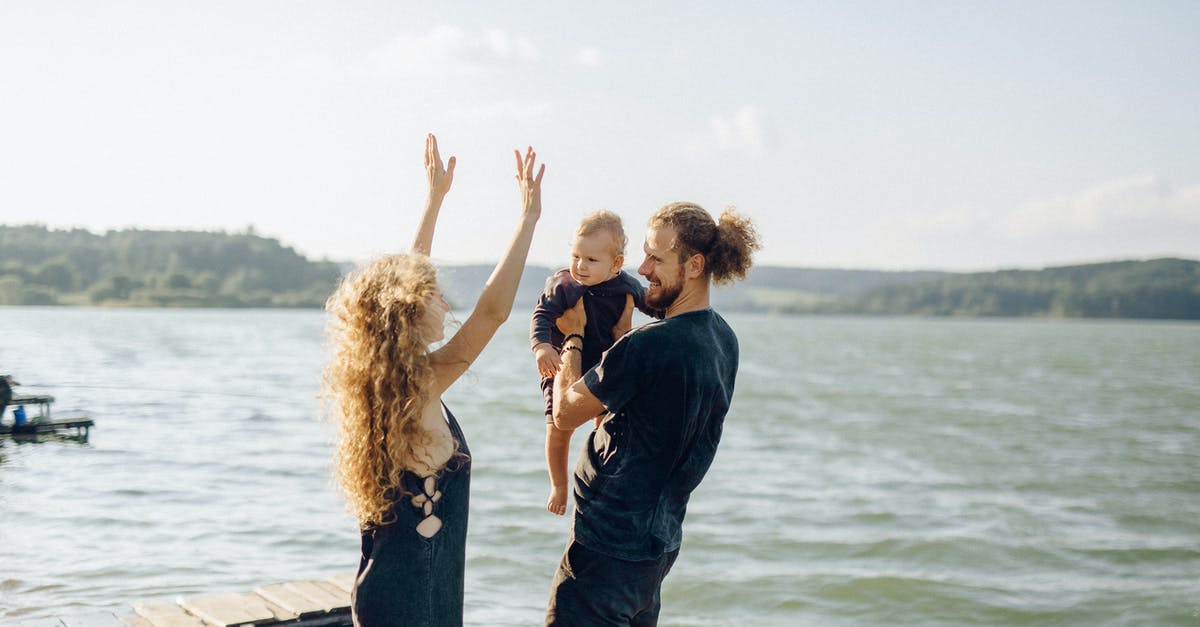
(137, 268)
(144, 268)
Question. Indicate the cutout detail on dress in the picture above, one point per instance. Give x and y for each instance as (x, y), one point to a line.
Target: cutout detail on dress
(431, 524)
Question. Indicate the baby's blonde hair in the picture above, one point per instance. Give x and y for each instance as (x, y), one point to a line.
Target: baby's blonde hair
(604, 220)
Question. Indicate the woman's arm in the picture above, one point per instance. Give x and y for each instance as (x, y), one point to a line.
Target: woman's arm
(439, 178)
(496, 301)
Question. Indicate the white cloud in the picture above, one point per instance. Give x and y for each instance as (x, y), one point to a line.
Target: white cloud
(590, 57)
(447, 49)
(745, 132)
(1112, 204)
(1137, 216)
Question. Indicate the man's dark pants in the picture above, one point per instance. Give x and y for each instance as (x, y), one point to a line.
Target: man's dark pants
(591, 588)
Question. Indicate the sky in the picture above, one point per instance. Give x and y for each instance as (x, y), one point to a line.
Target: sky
(902, 134)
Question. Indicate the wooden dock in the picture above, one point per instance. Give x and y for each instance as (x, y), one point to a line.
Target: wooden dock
(77, 428)
(294, 604)
(74, 427)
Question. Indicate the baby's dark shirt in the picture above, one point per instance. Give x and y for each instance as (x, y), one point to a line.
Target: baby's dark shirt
(604, 303)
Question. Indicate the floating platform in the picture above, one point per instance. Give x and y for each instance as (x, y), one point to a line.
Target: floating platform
(71, 427)
(295, 604)
(75, 427)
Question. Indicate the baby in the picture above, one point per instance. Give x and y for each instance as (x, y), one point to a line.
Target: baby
(595, 275)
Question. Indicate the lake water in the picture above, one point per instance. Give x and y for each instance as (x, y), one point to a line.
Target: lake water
(874, 471)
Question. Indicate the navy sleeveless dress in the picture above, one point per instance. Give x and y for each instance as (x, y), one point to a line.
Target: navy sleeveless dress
(405, 578)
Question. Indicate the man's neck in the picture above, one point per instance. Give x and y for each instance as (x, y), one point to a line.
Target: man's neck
(694, 297)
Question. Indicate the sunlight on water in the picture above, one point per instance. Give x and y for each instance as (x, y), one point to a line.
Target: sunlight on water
(873, 471)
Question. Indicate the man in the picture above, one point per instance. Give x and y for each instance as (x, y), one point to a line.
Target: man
(6, 391)
(666, 388)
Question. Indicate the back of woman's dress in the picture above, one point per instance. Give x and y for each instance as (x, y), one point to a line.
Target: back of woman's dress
(405, 578)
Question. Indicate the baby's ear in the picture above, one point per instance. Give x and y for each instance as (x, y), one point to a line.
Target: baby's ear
(618, 263)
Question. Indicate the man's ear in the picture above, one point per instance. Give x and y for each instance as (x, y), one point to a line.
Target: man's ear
(693, 268)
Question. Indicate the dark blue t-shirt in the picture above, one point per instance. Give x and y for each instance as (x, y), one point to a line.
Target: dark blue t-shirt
(667, 386)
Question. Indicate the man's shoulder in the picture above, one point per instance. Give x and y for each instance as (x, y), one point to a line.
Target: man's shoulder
(719, 326)
(651, 332)
(693, 324)
(628, 283)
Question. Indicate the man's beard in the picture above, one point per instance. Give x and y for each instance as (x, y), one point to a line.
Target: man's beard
(666, 295)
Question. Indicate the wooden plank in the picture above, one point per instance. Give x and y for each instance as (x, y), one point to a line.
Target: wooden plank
(343, 581)
(94, 619)
(338, 593)
(305, 598)
(138, 621)
(165, 615)
(283, 596)
(229, 609)
(31, 399)
(281, 614)
(326, 597)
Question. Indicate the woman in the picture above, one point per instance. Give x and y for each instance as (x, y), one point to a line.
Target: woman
(402, 459)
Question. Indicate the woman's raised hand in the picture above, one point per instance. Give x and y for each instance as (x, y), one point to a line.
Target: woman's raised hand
(439, 176)
(531, 186)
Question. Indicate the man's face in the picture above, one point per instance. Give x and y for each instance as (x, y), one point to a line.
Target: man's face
(661, 268)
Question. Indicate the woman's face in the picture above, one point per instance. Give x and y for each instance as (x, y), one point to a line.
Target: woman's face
(433, 324)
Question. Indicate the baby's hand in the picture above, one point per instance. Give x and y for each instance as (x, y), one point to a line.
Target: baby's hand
(557, 503)
(548, 360)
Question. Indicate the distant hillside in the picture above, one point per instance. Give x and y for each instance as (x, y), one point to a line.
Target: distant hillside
(767, 288)
(1159, 288)
(808, 290)
(39, 266)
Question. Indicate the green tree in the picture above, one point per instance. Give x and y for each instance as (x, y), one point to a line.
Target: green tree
(57, 275)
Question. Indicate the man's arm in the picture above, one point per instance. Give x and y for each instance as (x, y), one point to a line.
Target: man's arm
(574, 403)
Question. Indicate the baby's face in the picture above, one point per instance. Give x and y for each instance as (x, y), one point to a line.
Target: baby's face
(594, 259)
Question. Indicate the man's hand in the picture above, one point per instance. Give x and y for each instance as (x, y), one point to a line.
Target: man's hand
(625, 322)
(573, 320)
(548, 361)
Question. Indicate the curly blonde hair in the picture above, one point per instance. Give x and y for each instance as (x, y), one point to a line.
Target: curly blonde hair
(379, 379)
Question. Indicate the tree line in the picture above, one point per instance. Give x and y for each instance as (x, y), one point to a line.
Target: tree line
(41, 266)
(1158, 288)
(1166, 288)
(132, 267)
